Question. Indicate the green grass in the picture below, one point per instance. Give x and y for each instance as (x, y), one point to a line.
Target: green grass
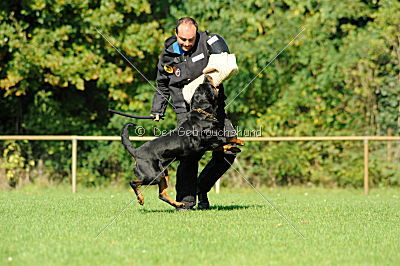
(52, 226)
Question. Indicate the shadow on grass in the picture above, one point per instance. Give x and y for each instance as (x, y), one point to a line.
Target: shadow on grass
(213, 208)
(157, 210)
(232, 207)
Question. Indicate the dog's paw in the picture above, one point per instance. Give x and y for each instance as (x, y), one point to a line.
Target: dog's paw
(179, 204)
(237, 141)
(229, 149)
(232, 150)
(140, 200)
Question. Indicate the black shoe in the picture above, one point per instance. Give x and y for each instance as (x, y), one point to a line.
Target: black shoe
(203, 204)
(188, 207)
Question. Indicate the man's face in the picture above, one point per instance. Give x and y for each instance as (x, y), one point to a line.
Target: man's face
(186, 36)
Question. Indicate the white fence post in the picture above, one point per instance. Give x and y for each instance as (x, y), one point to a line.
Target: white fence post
(74, 159)
(217, 186)
(366, 177)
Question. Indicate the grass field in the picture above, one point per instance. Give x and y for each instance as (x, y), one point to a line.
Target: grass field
(52, 226)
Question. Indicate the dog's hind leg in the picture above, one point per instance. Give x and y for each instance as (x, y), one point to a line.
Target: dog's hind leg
(135, 185)
(163, 195)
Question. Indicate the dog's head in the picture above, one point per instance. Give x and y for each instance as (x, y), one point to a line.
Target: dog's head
(215, 89)
(205, 96)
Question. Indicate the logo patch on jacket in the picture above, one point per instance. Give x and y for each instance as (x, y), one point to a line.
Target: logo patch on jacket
(177, 71)
(168, 69)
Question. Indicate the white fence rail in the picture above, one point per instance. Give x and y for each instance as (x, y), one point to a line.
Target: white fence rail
(75, 139)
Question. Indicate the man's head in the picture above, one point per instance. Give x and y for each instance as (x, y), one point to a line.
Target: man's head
(186, 30)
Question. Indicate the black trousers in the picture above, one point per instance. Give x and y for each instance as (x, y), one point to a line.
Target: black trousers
(187, 183)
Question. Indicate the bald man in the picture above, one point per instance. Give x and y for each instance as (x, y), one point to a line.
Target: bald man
(183, 59)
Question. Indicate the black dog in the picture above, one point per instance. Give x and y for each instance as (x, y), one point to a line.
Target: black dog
(198, 133)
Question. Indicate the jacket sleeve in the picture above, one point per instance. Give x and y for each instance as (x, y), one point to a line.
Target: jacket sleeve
(162, 94)
(216, 44)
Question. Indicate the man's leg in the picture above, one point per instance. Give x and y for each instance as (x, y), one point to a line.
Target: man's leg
(186, 180)
(186, 175)
(218, 165)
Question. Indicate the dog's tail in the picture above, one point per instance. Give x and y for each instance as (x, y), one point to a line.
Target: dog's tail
(125, 139)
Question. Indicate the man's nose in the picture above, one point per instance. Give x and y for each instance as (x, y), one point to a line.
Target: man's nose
(186, 43)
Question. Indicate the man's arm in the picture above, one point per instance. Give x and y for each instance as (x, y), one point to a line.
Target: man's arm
(216, 44)
(161, 95)
(221, 64)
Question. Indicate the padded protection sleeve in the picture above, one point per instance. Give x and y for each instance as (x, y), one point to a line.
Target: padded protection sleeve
(216, 44)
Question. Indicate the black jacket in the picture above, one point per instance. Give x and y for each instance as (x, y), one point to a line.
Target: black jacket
(176, 68)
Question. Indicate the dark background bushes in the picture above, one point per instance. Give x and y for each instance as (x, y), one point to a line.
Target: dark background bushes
(340, 77)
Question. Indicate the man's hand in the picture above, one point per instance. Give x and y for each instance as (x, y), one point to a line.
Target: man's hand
(156, 117)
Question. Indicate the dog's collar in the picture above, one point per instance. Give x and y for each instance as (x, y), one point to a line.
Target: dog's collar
(204, 112)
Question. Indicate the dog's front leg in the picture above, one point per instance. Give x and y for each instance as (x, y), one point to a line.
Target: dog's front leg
(237, 141)
(163, 195)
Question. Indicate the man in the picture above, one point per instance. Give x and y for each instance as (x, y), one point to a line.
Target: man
(183, 59)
